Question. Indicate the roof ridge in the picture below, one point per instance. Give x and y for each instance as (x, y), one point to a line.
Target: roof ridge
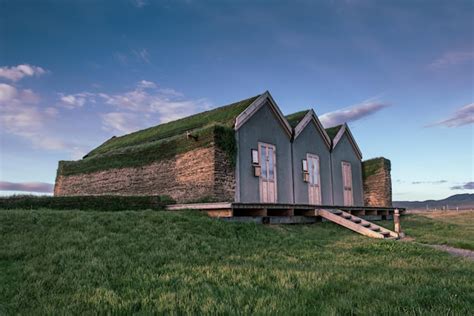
(225, 115)
(296, 117)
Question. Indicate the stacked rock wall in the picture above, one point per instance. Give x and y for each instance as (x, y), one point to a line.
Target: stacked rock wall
(199, 174)
(377, 182)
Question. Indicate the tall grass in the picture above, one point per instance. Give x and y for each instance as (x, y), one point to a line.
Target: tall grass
(55, 262)
(97, 202)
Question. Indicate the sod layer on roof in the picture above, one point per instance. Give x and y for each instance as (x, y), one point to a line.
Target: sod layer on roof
(372, 166)
(224, 115)
(295, 118)
(332, 131)
(146, 153)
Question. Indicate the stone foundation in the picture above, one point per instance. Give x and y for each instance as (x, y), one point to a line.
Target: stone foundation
(200, 174)
(377, 182)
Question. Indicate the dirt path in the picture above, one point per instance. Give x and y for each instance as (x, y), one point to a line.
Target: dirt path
(469, 254)
(454, 251)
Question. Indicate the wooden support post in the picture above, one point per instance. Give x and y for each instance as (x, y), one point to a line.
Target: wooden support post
(396, 222)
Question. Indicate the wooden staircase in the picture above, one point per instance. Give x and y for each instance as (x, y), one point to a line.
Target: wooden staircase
(357, 224)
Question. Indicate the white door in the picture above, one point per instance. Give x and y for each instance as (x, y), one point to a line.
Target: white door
(314, 184)
(347, 183)
(268, 182)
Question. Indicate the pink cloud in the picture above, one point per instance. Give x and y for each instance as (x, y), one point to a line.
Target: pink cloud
(451, 59)
(26, 186)
(351, 114)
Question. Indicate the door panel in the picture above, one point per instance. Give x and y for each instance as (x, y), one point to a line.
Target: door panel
(314, 184)
(268, 180)
(347, 183)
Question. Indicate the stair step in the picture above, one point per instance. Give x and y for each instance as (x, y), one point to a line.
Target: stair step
(356, 224)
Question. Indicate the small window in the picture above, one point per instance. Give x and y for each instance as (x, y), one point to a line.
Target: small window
(255, 156)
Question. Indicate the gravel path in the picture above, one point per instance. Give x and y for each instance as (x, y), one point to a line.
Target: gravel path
(455, 251)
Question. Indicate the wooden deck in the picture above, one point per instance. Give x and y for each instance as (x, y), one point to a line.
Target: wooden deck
(246, 210)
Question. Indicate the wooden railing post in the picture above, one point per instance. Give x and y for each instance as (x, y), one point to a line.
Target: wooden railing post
(396, 222)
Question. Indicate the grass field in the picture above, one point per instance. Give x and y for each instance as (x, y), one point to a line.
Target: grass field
(454, 229)
(122, 262)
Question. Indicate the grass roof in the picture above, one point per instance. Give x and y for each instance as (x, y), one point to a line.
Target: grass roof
(148, 152)
(224, 115)
(332, 131)
(372, 166)
(295, 118)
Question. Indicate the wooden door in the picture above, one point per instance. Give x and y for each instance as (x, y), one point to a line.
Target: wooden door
(268, 179)
(347, 183)
(314, 183)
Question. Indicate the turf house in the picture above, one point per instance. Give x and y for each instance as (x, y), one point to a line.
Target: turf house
(245, 152)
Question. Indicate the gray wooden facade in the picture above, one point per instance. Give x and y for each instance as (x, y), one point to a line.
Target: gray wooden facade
(263, 123)
(310, 139)
(345, 150)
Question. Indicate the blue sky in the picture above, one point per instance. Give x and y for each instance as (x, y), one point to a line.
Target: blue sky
(74, 73)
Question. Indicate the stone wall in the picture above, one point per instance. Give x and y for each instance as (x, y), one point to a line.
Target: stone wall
(200, 174)
(377, 182)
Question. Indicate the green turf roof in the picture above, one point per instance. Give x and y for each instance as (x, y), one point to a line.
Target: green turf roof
(332, 131)
(295, 118)
(372, 166)
(143, 154)
(224, 115)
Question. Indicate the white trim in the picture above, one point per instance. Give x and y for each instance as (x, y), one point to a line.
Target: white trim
(344, 177)
(353, 142)
(339, 135)
(260, 180)
(199, 206)
(237, 170)
(312, 117)
(342, 130)
(315, 157)
(257, 105)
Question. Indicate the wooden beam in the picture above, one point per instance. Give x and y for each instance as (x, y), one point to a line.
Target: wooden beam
(284, 212)
(220, 213)
(199, 206)
(250, 212)
(311, 213)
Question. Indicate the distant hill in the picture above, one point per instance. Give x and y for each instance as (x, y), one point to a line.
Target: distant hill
(461, 201)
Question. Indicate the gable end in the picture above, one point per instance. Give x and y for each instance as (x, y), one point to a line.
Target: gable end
(345, 129)
(257, 105)
(311, 117)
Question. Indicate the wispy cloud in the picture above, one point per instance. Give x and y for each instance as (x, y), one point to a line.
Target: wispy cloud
(146, 105)
(122, 122)
(139, 3)
(142, 55)
(430, 182)
(135, 55)
(451, 59)
(16, 73)
(41, 187)
(75, 100)
(460, 117)
(21, 115)
(466, 186)
(353, 113)
(121, 58)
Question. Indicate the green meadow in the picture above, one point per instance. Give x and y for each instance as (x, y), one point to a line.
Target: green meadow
(82, 262)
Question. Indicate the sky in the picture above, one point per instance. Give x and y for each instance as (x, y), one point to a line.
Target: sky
(401, 73)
